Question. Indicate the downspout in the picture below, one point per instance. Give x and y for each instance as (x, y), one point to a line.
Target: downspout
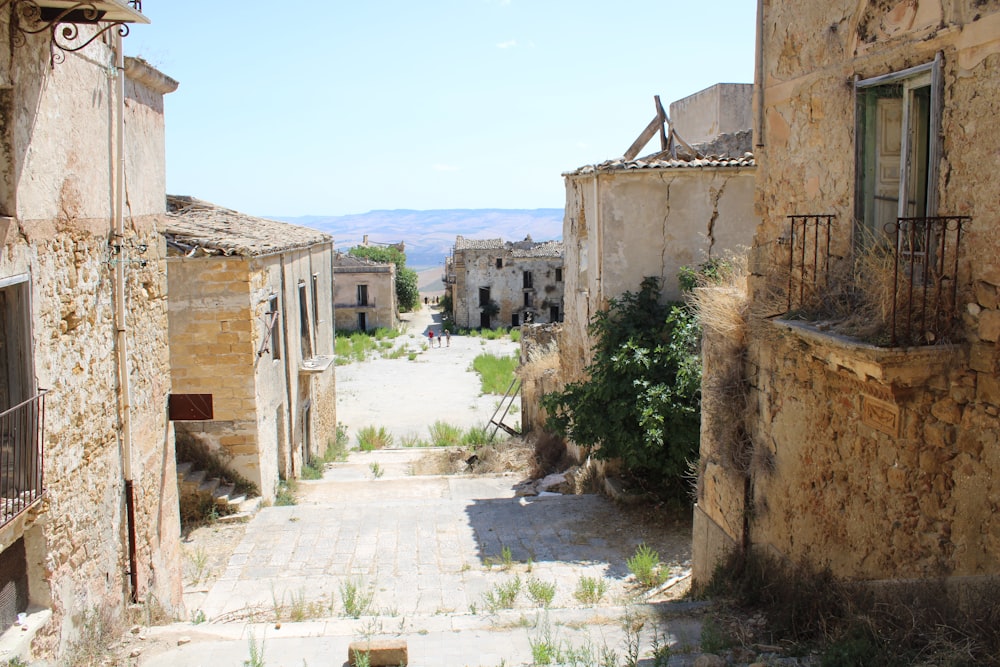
(121, 339)
(287, 360)
(758, 82)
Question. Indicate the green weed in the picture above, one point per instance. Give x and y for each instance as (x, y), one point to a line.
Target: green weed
(372, 437)
(590, 590)
(495, 372)
(356, 598)
(476, 436)
(503, 595)
(377, 470)
(286, 493)
(256, 650)
(412, 440)
(645, 565)
(541, 592)
(444, 434)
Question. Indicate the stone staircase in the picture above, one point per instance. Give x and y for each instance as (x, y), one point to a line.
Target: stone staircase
(194, 482)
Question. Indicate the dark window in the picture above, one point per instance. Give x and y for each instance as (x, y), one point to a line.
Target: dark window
(528, 280)
(553, 313)
(515, 320)
(304, 333)
(484, 320)
(362, 295)
(274, 324)
(315, 300)
(527, 299)
(558, 275)
(484, 297)
(499, 262)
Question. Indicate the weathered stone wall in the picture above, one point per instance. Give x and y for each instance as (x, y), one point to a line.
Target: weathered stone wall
(884, 460)
(724, 108)
(212, 352)
(637, 223)
(57, 168)
(477, 268)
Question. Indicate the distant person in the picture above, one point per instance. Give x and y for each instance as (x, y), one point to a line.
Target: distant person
(447, 337)
(425, 301)
(439, 340)
(430, 336)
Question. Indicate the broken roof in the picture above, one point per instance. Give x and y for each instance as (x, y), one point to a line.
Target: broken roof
(664, 161)
(351, 263)
(198, 226)
(525, 248)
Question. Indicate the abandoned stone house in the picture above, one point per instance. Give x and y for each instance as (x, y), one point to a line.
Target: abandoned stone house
(627, 219)
(871, 440)
(364, 293)
(251, 340)
(88, 515)
(496, 283)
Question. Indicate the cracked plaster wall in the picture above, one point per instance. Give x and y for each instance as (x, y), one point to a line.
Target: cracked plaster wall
(918, 495)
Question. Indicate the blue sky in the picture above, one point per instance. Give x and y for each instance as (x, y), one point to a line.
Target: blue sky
(333, 107)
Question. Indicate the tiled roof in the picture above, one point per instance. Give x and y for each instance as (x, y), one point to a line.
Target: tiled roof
(462, 243)
(525, 248)
(203, 227)
(661, 161)
(349, 263)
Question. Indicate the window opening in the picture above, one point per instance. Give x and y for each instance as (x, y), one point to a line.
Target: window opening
(315, 301)
(499, 262)
(528, 280)
(274, 329)
(484, 296)
(362, 295)
(558, 275)
(304, 329)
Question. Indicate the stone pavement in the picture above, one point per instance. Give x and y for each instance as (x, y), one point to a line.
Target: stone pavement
(430, 551)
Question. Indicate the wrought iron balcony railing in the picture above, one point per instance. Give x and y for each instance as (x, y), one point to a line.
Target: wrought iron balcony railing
(22, 434)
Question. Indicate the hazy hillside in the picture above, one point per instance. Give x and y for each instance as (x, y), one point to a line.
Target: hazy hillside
(430, 235)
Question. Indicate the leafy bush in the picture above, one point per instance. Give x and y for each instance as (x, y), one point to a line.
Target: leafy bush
(495, 372)
(641, 402)
(645, 565)
(374, 437)
(407, 292)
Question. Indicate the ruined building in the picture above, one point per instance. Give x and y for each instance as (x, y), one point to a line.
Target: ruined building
(251, 340)
(88, 514)
(496, 283)
(364, 295)
(870, 370)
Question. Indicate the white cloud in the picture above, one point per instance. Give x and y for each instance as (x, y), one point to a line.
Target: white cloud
(509, 44)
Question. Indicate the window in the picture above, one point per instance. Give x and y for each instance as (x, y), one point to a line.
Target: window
(527, 280)
(499, 262)
(515, 320)
(527, 299)
(558, 275)
(274, 328)
(553, 313)
(362, 322)
(315, 301)
(304, 329)
(484, 297)
(362, 295)
(17, 377)
(898, 118)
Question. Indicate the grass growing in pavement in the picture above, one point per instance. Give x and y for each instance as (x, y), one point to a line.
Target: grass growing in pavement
(356, 597)
(590, 590)
(645, 565)
(541, 592)
(372, 437)
(503, 595)
(475, 436)
(495, 372)
(444, 434)
(286, 493)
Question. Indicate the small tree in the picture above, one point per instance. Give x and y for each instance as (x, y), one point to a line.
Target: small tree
(641, 401)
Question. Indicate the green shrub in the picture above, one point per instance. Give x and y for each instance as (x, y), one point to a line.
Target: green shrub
(515, 335)
(495, 372)
(286, 493)
(475, 436)
(641, 402)
(372, 437)
(590, 590)
(541, 592)
(645, 565)
(444, 434)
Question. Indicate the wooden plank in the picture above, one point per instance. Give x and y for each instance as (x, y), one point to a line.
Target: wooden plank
(644, 138)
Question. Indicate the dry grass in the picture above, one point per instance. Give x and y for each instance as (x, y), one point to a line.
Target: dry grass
(510, 455)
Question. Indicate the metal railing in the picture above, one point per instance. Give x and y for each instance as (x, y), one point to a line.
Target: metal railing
(22, 432)
(925, 278)
(808, 256)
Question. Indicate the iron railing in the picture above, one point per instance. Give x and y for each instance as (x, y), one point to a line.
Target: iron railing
(925, 278)
(808, 256)
(22, 432)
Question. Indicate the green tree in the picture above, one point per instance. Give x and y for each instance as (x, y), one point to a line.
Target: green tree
(641, 402)
(407, 290)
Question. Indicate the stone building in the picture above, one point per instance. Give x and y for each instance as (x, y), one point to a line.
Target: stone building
(496, 283)
(88, 515)
(251, 339)
(871, 443)
(627, 219)
(364, 293)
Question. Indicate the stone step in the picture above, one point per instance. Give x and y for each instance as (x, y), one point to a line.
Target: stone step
(183, 469)
(194, 479)
(209, 486)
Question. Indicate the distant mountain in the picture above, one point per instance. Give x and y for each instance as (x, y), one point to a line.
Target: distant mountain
(430, 235)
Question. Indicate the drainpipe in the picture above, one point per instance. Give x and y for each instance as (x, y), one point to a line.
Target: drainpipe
(121, 339)
(759, 75)
(289, 376)
(599, 232)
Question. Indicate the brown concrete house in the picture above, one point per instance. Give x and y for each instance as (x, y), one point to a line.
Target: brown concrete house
(364, 294)
(251, 339)
(872, 440)
(88, 510)
(494, 283)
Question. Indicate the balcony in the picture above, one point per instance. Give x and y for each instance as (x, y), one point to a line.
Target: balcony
(22, 431)
(898, 290)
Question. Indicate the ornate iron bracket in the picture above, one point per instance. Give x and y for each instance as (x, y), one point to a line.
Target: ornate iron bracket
(28, 17)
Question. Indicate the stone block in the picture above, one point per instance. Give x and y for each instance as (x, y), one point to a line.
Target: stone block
(380, 652)
(986, 295)
(983, 358)
(947, 411)
(989, 325)
(988, 388)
